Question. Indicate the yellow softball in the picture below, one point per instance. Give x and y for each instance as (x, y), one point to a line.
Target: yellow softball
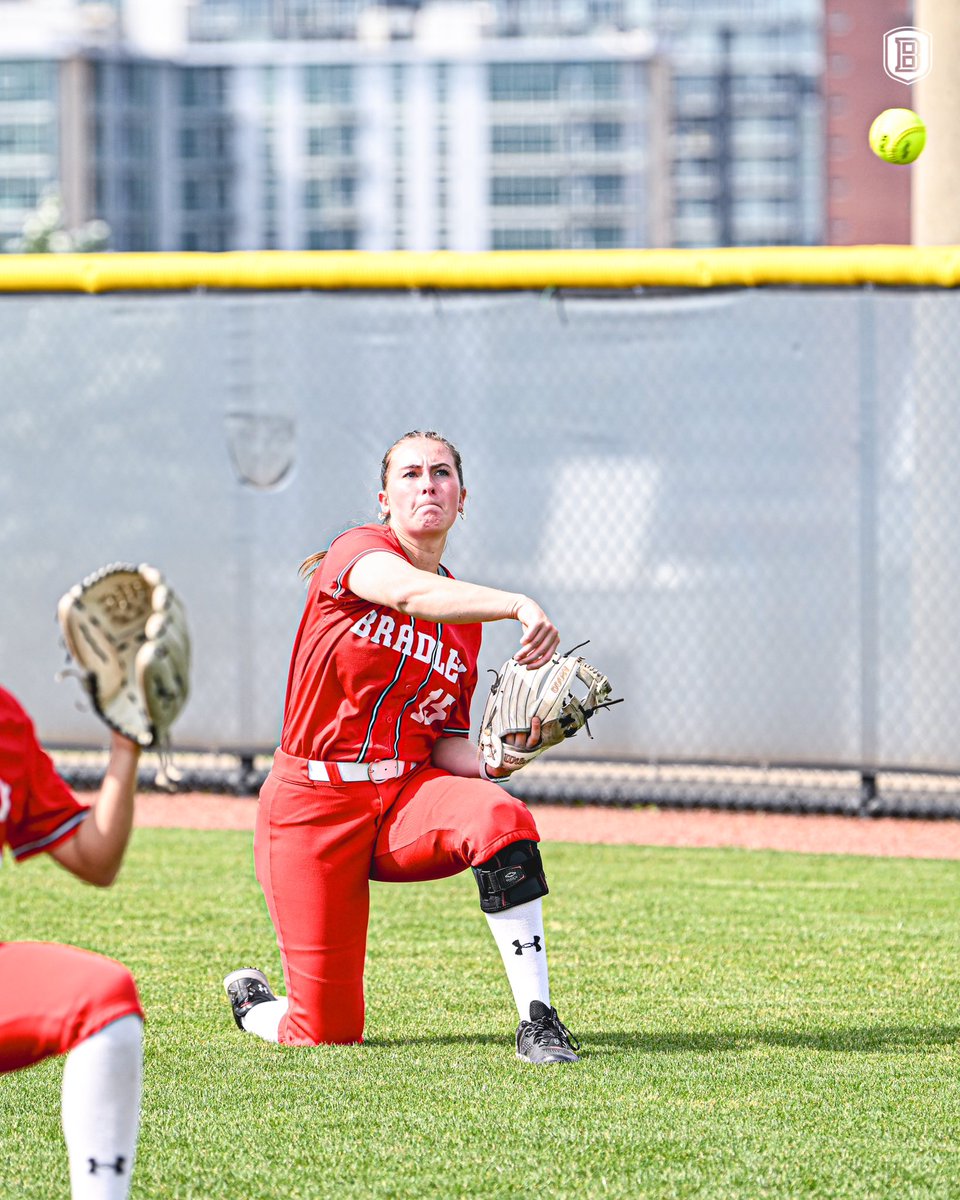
(898, 135)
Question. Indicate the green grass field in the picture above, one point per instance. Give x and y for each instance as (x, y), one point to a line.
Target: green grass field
(754, 1024)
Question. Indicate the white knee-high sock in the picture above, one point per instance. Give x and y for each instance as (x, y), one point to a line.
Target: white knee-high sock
(264, 1019)
(101, 1110)
(518, 933)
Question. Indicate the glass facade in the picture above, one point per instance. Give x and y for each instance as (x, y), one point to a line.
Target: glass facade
(29, 140)
(26, 81)
(542, 134)
(124, 145)
(204, 126)
(565, 139)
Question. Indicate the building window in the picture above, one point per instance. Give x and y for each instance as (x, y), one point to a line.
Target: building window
(695, 209)
(694, 168)
(138, 236)
(208, 235)
(759, 211)
(332, 239)
(269, 89)
(135, 192)
(605, 189)
(192, 195)
(524, 81)
(605, 135)
(525, 139)
(330, 193)
(522, 190)
(599, 237)
(599, 81)
(19, 193)
(525, 239)
(26, 81)
(134, 83)
(329, 84)
(26, 138)
(190, 143)
(325, 141)
(203, 87)
(135, 139)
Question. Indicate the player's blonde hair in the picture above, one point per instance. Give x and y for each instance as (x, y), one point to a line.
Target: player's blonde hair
(309, 565)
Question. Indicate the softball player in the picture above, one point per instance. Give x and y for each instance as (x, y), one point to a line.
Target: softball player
(58, 999)
(376, 777)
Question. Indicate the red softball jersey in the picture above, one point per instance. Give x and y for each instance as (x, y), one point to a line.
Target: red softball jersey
(37, 809)
(368, 682)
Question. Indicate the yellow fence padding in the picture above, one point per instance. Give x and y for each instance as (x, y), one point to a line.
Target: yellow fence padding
(819, 266)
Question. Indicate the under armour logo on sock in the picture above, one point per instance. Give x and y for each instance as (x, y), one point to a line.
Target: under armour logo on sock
(534, 945)
(116, 1167)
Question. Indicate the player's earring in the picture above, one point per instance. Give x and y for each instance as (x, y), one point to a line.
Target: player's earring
(462, 517)
(382, 516)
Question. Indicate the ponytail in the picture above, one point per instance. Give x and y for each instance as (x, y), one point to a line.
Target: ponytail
(309, 565)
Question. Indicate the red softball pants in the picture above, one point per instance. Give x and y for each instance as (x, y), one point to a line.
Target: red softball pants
(54, 997)
(318, 845)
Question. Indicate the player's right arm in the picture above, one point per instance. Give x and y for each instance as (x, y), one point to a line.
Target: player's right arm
(42, 815)
(458, 756)
(94, 853)
(386, 579)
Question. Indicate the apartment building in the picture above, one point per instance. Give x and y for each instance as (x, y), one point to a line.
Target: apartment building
(245, 124)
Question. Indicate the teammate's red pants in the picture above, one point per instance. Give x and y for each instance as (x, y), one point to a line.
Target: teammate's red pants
(54, 997)
(317, 846)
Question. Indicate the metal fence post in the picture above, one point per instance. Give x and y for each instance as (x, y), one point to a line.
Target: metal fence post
(868, 537)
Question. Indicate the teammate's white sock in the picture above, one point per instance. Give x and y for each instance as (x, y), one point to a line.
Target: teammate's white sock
(264, 1019)
(518, 933)
(101, 1110)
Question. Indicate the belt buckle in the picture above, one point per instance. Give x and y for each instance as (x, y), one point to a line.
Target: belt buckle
(384, 772)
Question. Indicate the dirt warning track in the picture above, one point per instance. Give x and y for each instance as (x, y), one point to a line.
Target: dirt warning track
(883, 836)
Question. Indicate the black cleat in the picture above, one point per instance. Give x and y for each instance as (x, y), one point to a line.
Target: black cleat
(246, 989)
(544, 1038)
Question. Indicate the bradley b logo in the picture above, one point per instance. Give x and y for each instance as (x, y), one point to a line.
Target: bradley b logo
(907, 53)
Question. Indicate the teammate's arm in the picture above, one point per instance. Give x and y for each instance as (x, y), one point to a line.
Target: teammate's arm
(385, 579)
(95, 851)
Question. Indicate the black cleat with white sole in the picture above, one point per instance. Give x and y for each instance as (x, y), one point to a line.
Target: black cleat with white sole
(246, 989)
(544, 1038)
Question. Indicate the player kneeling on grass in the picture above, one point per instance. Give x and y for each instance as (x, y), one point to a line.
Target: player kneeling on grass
(376, 778)
(59, 999)
(126, 632)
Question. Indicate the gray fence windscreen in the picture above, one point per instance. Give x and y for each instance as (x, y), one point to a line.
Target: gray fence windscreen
(747, 500)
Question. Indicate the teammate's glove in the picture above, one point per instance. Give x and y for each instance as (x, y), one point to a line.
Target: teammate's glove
(127, 632)
(521, 693)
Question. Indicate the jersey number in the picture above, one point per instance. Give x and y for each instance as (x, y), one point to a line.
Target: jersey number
(434, 708)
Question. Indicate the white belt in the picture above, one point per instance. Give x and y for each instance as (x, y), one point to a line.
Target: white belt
(357, 772)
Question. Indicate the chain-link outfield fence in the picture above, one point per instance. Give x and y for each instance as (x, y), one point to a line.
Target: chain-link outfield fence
(737, 473)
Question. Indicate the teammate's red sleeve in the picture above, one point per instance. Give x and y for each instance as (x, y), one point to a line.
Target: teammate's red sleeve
(41, 810)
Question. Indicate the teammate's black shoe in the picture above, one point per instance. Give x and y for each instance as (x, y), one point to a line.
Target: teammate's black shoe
(246, 989)
(544, 1038)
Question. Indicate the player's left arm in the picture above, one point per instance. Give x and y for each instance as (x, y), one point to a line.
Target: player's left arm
(96, 850)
